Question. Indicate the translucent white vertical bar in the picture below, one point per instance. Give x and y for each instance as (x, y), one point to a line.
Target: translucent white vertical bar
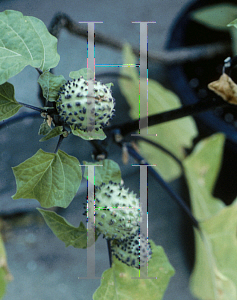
(144, 217)
(91, 223)
(143, 84)
(91, 67)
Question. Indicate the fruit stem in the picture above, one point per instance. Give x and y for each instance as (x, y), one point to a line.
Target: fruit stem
(61, 137)
(109, 251)
(39, 71)
(98, 149)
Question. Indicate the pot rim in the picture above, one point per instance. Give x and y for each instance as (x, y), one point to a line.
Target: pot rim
(180, 81)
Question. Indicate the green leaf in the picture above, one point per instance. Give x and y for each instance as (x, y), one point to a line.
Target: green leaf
(109, 171)
(24, 41)
(215, 16)
(51, 178)
(3, 283)
(50, 85)
(70, 235)
(201, 170)
(174, 135)
(89, 135)
(8, 104)
(82, 72)
(215, 271)
(53, 133)
(233, 33)
(109, 85)
(5, 275)
(44, 128)
(233, 23)
(117, 283)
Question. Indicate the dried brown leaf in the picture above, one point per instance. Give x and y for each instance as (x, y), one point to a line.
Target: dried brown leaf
(226, 88)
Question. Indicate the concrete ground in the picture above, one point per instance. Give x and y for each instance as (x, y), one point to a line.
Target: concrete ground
(42, 267)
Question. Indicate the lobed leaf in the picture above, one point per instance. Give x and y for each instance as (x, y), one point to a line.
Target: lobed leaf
(50, 85)
(215, 272)
(201, 171)
(51, 178)
(117, 282)
(70, 235)
(109, 171)
(8, 104)
(174, 135)
(24, 41)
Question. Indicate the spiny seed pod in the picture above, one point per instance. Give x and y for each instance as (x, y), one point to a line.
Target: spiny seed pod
(117, 212)
(86, 112)
(132, 251)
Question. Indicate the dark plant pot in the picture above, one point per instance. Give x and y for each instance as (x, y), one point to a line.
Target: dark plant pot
(190, 82)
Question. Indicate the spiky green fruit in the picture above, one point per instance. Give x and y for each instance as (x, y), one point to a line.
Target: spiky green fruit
(85, 112)
(117, 211)
(132, 251)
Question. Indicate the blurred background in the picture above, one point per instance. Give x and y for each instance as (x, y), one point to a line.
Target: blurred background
(42, 267)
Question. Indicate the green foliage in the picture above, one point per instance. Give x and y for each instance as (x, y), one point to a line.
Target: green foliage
(5, 275)
(54, 178)
(24, 41)
(233, 23)
(218, 17)
(233, 32)
(117, 282)
(215, 272)
(174, 135)
(8, 104)
(52, 133)
(3, 283)
(89, 135)
(50, 85)
(108, 170)
(70, 235)
(51, 178)
(85, 73)
(44, 128)
(109, 85)
(215, 16)
(201, 169)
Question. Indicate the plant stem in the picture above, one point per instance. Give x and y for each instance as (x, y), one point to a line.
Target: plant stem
(164, 184)
(109, 251)
(39, 71)
(19, 117)
(61, 137)
(32, 107)
(98, 149)
(182, 55)
(184, 111)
